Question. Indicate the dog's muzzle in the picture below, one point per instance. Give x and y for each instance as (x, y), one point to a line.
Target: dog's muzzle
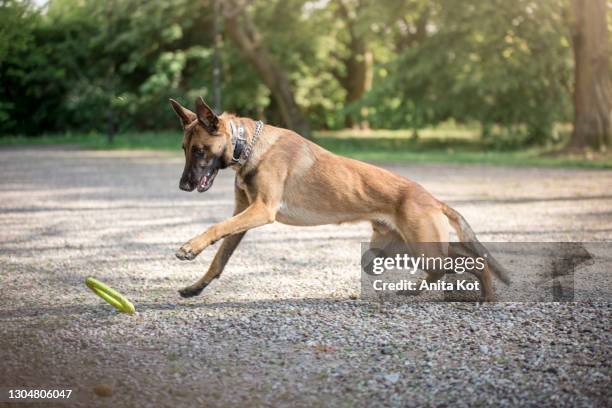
(186, 185)
(206, 180)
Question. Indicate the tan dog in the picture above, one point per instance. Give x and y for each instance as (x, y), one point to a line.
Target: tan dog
(280, 176)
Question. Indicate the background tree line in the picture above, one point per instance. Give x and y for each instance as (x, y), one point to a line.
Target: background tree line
(515, 68)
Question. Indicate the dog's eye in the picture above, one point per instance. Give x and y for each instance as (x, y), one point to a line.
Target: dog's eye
(198, 151)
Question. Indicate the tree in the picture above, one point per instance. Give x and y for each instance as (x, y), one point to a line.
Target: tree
(244, 34)
(503, 64)
(17, 20)
(356, 78)
(506, 65)
(592, 86)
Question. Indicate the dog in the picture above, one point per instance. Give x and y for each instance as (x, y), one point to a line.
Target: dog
(281, 176)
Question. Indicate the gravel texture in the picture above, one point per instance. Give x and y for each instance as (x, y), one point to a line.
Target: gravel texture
(284, 326)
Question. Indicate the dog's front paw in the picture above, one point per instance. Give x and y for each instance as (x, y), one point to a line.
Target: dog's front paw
(186, 253)
(191, 291)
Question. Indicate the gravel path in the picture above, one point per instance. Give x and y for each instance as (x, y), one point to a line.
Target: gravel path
(284, 325)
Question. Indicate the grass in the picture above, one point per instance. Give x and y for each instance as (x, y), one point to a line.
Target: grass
(164, 140)
(432, 146)
(460, 151)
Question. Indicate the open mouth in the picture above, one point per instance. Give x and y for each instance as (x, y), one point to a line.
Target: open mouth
(207, 179)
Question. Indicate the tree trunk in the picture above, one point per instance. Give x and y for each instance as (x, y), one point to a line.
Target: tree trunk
(357, 77)
(592, 83)
(217, 57)
(241, 30)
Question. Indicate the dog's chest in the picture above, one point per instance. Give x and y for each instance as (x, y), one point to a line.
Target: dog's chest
(240, 183)
(295, 214)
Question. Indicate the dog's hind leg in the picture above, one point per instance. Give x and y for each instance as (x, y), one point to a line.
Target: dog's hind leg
(426, 231)
(228, 245)
(385, 238)
(391, 243)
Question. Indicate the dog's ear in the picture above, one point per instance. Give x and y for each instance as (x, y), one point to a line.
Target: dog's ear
(185, 115)
(206, 116)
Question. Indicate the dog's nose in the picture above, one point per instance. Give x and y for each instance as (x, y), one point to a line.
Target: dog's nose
(185, 186)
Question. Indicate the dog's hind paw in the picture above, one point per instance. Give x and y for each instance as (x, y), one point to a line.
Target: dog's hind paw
(186, 253)
(191, 291)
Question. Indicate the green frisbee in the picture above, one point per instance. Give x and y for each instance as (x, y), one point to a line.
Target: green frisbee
(116, 299)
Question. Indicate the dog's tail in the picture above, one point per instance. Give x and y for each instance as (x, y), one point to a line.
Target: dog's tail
(468, 238)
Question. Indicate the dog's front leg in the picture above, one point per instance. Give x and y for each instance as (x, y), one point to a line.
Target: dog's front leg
(216, 267)
(257, 214)
(223, 255)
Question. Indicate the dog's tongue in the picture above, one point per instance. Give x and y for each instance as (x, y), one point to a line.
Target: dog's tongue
(204, 181)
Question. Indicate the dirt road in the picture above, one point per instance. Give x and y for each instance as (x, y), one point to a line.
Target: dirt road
(283, 325)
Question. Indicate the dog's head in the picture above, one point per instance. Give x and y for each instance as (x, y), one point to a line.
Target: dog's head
(205, 143)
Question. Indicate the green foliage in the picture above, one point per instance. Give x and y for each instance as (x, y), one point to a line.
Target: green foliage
(491, 61)
(86, 65)
(16, 22)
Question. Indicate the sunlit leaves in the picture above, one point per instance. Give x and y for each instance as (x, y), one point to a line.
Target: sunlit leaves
(492, 61)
